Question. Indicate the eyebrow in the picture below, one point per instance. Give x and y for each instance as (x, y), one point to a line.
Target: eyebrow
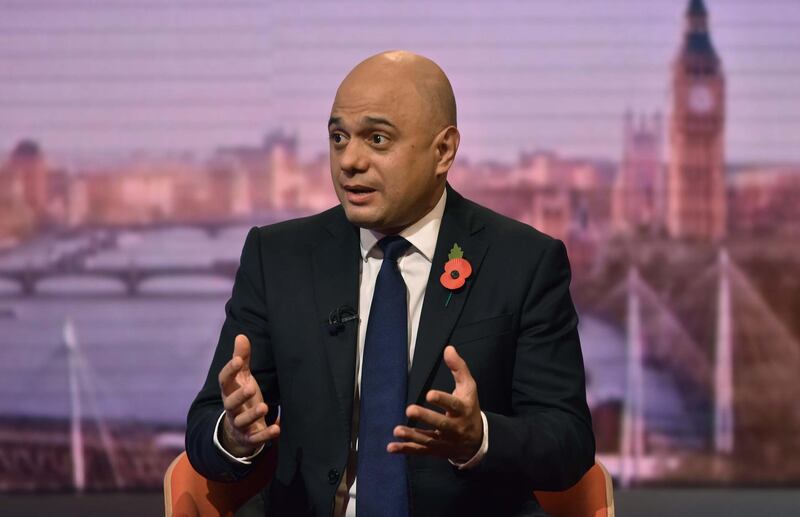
(365, 120)
(378, 120)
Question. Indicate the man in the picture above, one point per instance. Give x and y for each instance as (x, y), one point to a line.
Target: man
(426, 428)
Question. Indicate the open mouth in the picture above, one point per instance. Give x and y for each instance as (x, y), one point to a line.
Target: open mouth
(358, 189)
(358, 194)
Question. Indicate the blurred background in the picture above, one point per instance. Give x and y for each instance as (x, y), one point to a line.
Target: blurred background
(140, 140)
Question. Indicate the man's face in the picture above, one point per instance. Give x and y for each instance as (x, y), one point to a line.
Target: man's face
(383, 160)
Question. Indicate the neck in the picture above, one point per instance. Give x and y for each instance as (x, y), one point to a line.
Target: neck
(429, 205)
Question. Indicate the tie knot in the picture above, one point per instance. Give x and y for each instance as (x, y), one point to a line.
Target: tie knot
(393, 246)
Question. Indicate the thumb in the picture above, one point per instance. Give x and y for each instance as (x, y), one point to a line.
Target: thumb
(241, 348)
(458, 367)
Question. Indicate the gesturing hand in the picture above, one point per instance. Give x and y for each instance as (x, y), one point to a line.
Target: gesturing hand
(457, 434)
(244, 428)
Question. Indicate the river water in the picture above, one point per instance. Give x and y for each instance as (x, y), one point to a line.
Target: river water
(143, 358)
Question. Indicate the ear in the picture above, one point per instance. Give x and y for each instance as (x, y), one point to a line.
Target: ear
(446, 143)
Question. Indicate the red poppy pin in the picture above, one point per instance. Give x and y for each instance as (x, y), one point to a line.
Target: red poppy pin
(456, 271)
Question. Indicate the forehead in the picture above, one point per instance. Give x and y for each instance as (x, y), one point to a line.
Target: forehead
(360, 99)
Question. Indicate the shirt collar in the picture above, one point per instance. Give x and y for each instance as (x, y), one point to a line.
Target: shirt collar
(422, 234)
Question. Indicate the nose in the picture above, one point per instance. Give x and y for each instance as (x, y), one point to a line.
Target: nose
(353, 158)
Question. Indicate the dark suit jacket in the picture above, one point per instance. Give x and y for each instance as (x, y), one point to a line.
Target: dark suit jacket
(513, 322)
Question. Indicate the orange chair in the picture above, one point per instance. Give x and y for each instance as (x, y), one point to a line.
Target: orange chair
(188, 494)
(592, 496)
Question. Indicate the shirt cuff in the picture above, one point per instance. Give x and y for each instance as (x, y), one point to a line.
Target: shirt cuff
(247, 460)
(482, 450)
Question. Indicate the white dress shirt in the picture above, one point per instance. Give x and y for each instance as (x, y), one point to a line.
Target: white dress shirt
(415, 267)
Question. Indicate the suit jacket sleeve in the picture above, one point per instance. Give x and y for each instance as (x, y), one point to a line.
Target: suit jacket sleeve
(245, 313)
(548, 438)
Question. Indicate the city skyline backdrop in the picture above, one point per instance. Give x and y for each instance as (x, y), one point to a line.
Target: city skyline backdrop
(193, 121)
(99, 78)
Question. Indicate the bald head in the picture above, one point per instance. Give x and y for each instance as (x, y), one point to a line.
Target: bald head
(406, 73)
(393, 138)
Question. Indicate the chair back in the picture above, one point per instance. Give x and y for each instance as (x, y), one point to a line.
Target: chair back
(592, 496)
(188, 494)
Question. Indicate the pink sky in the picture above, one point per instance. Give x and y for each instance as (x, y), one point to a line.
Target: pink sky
(116, 75)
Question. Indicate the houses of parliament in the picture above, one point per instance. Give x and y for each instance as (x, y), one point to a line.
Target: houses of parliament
(689, 201)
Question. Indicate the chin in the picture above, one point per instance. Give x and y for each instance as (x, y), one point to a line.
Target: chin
(360, 216)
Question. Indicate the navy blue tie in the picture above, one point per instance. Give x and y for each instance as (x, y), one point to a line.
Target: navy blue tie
(382, 484)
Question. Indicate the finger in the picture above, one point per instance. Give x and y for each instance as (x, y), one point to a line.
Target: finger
(241, 348)
(458, 367)
(414, 449)
(250, 416)
(250, 419)
(427, 416)
(237, 401)
(227, 376)
(422, 436)
(450, 403)
(262, 435)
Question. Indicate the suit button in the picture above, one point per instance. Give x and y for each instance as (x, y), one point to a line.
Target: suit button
(333, 476)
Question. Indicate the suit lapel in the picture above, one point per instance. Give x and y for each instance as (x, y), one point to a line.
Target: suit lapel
(335, 273)
(437, 320)
(335, 269)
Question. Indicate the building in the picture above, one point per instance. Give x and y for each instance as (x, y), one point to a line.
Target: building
(638, 193)
(23, 192)
(765, 201)
(696, 208)
(27, 167)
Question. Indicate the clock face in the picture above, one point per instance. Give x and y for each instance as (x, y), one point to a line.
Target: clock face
(701, 100)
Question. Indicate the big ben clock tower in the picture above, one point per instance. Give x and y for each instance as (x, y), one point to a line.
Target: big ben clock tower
(696, 177)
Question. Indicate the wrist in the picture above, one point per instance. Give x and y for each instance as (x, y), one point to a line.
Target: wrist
(230, 444)
(482, 450)
(471, 451)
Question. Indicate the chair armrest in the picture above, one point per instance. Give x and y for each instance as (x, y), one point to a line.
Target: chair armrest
(188, 494)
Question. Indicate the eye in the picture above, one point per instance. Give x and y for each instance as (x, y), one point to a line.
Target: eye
(378, 139)
(337, 138)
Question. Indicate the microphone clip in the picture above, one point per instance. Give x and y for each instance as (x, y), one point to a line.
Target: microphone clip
(339, 317)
